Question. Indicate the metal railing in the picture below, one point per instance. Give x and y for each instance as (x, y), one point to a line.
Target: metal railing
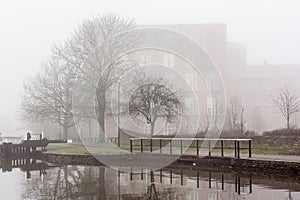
(148, 142)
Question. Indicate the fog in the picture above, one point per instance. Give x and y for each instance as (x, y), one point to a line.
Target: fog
(28, 29)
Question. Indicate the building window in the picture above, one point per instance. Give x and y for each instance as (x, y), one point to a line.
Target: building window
(170, 129)
(191, 127)
(145, 59)
(124, 124)
(191, 80)
(191, 106)
(169, 60)
(212, 82)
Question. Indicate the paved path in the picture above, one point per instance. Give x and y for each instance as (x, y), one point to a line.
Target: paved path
(287, 158)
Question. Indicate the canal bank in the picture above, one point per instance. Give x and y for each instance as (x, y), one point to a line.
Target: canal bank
(262, 166)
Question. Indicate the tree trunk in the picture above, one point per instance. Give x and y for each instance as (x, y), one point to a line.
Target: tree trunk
(288, 122)
(102, 192)
(66, 174)
(152, 127)
(90, 128)
(65, 132)
(101, 121)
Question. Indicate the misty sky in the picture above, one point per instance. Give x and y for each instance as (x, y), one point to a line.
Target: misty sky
(269, 28)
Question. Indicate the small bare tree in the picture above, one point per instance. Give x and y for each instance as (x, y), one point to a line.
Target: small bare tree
(235, 119)
(287, 102)
(154, 100)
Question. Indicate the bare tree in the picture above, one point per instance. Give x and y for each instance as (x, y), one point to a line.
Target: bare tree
(153, 100)
(287, 102)
(99, 49)
(48, 95)
(235, 119)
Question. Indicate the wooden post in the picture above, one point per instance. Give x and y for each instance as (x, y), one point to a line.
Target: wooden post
(238, 149)
(150, 144)
(250, 185)
(197, 147)
(250, 149)
(131, 146)
(170, 146)
(142, 149)
(222, 148)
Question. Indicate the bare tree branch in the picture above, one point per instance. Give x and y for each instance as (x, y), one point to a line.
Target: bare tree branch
(287, 102)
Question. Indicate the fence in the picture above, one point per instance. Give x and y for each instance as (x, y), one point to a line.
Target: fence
(160, 142)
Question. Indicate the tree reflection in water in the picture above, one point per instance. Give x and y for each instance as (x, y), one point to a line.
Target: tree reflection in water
(85, 182)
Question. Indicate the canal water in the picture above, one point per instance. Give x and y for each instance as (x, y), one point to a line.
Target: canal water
(38, 180)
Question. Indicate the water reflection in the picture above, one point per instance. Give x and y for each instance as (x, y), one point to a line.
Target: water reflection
(45, 181)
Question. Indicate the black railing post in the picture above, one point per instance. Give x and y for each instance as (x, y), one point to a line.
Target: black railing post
(181, 178)
(142, 146)
(142, 174)
(238, 149)
(198, 184)
(181, 147)
(209, 180)
(160, 176)
(239, 185)
(222, 148)
(222, 181)
(170, 146)
(250, 185)
(197, 147)
(131, 146)
(209, 151)
(235, 184)
(235, 148)
(250, 149)
(151, 145)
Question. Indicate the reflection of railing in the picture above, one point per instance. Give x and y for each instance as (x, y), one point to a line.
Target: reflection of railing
(197, 176)
(173, 142)
(26, 164)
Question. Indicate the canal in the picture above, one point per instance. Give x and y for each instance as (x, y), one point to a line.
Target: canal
(34, 179)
